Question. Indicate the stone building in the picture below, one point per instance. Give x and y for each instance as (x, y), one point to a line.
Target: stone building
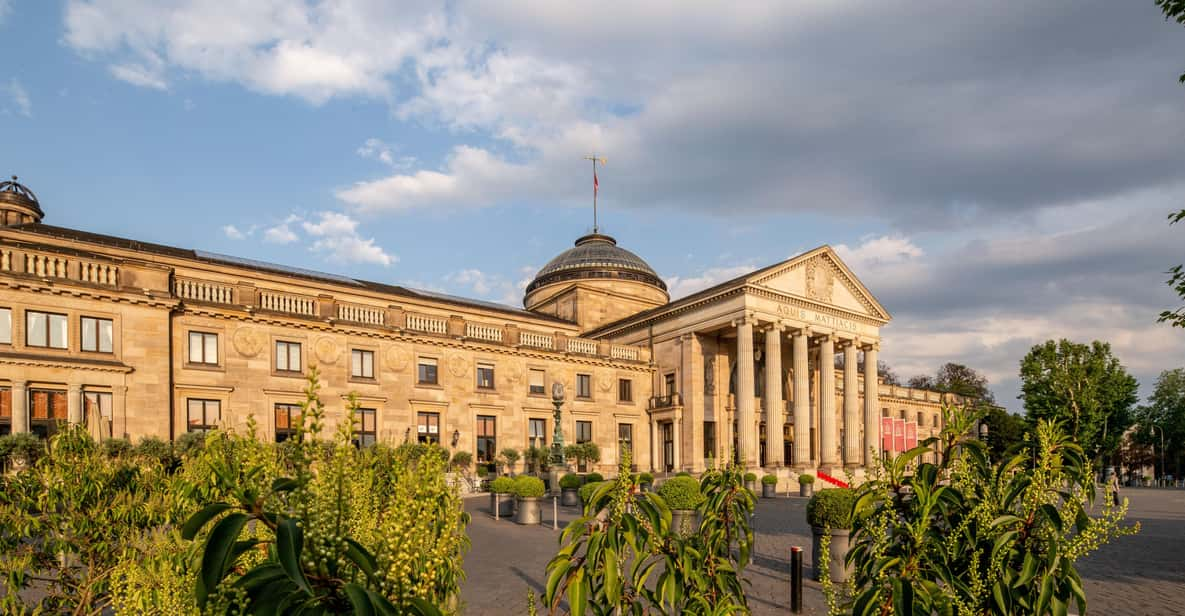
(136, 339)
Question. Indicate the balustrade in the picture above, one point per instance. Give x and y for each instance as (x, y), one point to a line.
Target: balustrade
(536, 340)
(481, 331)
(46, 265)
(576, 345)
(98, 273)
(361, 314)
(282, 302)
(431, 325)
(203, 291)
(623, 352)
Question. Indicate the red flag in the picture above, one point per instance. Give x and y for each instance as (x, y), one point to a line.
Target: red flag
(596, 184)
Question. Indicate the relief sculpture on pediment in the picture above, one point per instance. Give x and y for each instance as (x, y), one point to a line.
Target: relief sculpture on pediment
(820, 280)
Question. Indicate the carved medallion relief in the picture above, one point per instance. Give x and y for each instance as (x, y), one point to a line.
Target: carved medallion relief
(249, 341)
(326, 350)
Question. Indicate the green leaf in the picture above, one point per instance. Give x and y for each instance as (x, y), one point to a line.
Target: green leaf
(359, 600)
(259, 576)
(284, 484)
(289, 543)
(612, 577)
(199, 519)
(578, 593)
(216, 555)
(902, 597)
(1052, 514)
(361, 557)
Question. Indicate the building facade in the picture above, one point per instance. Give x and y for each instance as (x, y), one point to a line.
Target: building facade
(135, 339)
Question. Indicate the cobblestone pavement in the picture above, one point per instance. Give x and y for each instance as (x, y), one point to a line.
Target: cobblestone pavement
(1141, 575)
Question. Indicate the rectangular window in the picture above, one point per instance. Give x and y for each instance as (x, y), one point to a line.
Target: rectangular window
(287, 356)
(45, 329)
(97, 335)
(426, 371)
(625, 390)
(536, 382)
(625, 440)
(287, 416)
(669, 384)
(583, 385)
(485, 376)
(5, 325)
(203, 348)
(47, 410)
(362, 364)
(583, 432)
(365, 431)
(537, 432)
(204, 415)
(709, 439)
(97, 410)
(5, 411)
(487, 439)
(428, 427)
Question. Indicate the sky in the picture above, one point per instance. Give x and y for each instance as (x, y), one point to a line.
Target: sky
(998, 174)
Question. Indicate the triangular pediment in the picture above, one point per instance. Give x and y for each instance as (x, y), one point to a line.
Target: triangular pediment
(821, 276)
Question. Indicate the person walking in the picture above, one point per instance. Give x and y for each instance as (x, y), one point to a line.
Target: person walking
(1113, 488)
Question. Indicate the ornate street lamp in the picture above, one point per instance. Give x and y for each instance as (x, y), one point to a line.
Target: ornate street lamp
(557, 440)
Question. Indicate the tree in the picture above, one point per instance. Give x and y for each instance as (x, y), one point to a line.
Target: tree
(1082, 385)
(921, 381)
(1004, 430)
(1174, 10)
(1176, 280)
(1166, 411)
(962, 381)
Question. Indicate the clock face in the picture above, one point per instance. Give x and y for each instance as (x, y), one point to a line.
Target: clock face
(557, 390)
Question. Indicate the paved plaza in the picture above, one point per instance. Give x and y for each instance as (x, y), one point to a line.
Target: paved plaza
(1141, 575)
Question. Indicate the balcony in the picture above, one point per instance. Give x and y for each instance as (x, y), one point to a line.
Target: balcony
(665, 402)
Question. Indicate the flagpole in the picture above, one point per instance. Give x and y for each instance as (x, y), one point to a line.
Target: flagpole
(594, 158)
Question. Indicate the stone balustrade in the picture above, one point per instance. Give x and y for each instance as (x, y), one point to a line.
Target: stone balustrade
(579, 345)
(426, 324)
(367, 315)
(619, 351)
(203, 291)
(98, 273)
(5, 260)
(47, 266)
(284, 302)
(536, 340)
(481, 331)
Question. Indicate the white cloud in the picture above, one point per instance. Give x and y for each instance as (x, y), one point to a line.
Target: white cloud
(337, 236)
(139, 75)
(282, 233)
(679, 286)
(233, 232)
(492, 286)
(18, 97)
(5, 7)
(376, 149)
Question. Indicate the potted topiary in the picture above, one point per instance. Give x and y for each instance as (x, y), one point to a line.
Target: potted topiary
(751, 482)
(575, 452)
(510, 457)
(528, 491)
(645, 481)
(502, 496)
(594, 478)
(591, 453)
(806, 485)
(569, 484)
(769, 486)
(830, 513)
(683, 496)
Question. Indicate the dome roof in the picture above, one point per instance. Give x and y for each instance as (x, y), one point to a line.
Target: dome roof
(14, 193)
(596, 256)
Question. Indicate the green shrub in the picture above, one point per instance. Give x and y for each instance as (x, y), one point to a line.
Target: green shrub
(750, 476)
(526, 486)
(594, 477)
(806, 479)
(21, 445)
(570, 481)
(681, 493)
(591, 452)
(189, 443)
(502, 485)
(462, 460)
(769, 480)
(587, 490)
(682, 474)
(116, 447)
(482, 471)
(510, 456)
(646, 478)
(831, 508)
(157, 450)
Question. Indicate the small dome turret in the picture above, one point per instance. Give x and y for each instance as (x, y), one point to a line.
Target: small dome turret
(18, 204)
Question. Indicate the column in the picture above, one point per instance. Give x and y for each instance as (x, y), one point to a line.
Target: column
(20, 407)
(802, 400)
(872, 411)
(828, 433)
(74, 404)
(677, 462)
(654, 468)
(853, 456)
(773, 397)
(745, 415)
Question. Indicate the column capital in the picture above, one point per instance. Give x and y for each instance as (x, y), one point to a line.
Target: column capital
(776, 326)
(871, 346)
(829, 337)
(803, 330)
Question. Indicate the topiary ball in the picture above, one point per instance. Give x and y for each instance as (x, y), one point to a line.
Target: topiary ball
(646, 478)
(593, 477)
(570, 481)
(806, 479)
(526, 486)
(769, 480)
(502, 485)
(831, 508)
(681, 493)
(750, 476)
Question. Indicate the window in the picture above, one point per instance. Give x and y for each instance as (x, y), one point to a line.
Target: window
(5, 411)
(536, 432)
(5, 325)
(583, 432)
(426, 371)
(536, 379)
(287, 416)
(96, 335)
(97, 409)
(625, 390)
(669, 383)
(487, 441)
(709, 439)
(204, 415)
(287, 356)
(48, 409)
(583, 385)
(428, 427)
(44, 329)
(921, 419)
(365, 433)
(362, 364)
(203, 348)
(485, 376)
(625, 440)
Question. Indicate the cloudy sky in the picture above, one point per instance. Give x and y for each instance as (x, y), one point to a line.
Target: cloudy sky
(997, 173)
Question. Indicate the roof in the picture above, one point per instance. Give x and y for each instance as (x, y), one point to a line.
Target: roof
(16, 193)
(263, 266)
(593, 256)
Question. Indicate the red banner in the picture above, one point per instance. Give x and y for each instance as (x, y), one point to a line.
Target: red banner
(886, 434)
(898, 435)
(911, 435)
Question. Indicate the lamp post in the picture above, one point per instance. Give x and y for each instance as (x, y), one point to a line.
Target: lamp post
(557, 441)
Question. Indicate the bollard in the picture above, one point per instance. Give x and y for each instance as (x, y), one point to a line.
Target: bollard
(796, 580)
(555, 513)
(497, 506)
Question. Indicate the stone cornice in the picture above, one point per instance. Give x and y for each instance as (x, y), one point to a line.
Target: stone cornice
(46, 361)
(73, 288)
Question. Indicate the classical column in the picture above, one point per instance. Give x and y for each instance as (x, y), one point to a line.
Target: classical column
(74, 404)
(828, 443)
(853, 456)
(20, 407)
(678, 444)
(872, 411)
(773, 397)
(802, 400)
(745, 415)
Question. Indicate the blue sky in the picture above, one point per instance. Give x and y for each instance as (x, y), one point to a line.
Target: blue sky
(997, 175)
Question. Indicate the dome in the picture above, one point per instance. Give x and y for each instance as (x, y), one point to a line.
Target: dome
(18, 204)
(596, 256)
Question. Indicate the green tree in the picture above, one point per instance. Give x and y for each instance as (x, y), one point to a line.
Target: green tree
(956, 379)
(1082, 385)
(1004, 430)
(1176, 280)
(1166, 411)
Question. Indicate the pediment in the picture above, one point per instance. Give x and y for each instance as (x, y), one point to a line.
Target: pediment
(821, 276)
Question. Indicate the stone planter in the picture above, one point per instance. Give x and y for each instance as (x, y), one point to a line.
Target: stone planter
(836, 552)
(806, 490)
(570, 497)
(683, 521)
(504, 504)
(528, 511)
(769, 490)
(751, 486)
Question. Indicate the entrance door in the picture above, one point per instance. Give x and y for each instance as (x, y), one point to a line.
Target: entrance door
(668, 446)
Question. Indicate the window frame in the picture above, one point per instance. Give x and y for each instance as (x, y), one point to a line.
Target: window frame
(6, 333)
(420, 373)
(98, 337)
(427, 420)
(206, 425)
(586, 386)
(360, 433)
(625, 390)
(204, 337)
(45, 427)
(484, 366)
(289, 345)
(485, 441)
(543, 385)
(288, 431)
(531, 438)
(584, 423)
(65, 319)
(628, 441)
(361, 363)
(5, 410)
